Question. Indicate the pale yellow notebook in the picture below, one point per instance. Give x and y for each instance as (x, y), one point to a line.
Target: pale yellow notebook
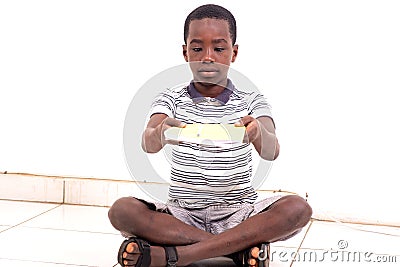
(207, 134)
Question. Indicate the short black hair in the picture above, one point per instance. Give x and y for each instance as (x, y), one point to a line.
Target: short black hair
(213, 12)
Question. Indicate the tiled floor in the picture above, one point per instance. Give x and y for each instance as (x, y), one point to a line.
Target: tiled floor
(40, 234)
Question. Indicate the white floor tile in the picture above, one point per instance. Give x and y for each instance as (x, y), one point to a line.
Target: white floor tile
(20, 263)
(72, 217)
(58, 246)
(13, 212)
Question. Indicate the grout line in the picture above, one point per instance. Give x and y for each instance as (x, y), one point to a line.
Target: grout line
(60, 203)
(74, 230)
(356, 222)
(63, 197)
(56, 263)
(354, 227)
(301, 243)
(30, 201)
(18, 224)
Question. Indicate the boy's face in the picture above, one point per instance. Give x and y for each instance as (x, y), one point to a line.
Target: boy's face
(209, 50)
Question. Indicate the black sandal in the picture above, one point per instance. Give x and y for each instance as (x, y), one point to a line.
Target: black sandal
(264, 255)
(171, 255)
(144, 259)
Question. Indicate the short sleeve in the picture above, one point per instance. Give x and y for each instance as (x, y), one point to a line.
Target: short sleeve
(259, 107)
(164, 103)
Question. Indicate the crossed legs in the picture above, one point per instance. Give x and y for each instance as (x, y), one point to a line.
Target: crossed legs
(283, 218)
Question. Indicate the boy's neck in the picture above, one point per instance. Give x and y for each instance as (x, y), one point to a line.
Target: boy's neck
(211, 89)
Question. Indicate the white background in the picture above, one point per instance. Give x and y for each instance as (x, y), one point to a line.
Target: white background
(330, 69)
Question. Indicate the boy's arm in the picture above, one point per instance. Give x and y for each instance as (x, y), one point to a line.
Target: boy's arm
(153, 138)
(261, 133)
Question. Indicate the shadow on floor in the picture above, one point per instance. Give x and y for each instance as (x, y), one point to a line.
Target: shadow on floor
(215, 262)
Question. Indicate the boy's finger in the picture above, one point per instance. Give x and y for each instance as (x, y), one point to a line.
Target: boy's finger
(239, 124)
(244, 121)
(174, 123)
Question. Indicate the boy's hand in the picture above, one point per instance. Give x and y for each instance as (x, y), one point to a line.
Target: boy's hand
(261, 133)
(166, 124)
(253, 130)
(153, 138)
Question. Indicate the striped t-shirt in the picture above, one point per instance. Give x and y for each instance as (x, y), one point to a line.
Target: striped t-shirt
(209, 175)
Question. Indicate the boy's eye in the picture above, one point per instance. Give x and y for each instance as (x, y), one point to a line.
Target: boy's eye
(219, 49)
(196, 49)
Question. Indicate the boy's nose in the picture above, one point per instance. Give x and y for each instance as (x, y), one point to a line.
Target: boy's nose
(208, 56)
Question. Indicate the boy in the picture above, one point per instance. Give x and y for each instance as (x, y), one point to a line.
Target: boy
(211, 209)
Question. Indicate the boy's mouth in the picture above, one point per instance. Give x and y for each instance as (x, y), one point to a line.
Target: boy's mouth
(208, 72)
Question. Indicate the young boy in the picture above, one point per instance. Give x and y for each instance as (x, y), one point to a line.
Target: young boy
(211, 209)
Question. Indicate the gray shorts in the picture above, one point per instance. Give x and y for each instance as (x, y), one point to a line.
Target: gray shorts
(214, 219)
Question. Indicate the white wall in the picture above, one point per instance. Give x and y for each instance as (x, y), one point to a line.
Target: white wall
(69, 70)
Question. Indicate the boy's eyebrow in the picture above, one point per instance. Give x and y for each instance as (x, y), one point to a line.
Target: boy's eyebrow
(198, 41)
(219, 40)
(215, 41)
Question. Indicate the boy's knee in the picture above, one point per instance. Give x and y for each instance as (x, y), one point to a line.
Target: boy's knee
(116, 209)
(122, 208)
(297, 210)
(305, 210)
(301, 209)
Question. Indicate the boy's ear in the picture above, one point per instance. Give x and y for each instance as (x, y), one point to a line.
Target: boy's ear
(235, 52)
(184, 51)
